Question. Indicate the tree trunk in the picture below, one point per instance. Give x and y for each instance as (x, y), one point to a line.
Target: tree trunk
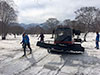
(3, 37)
(4, 31)
(85, 36)
(53, 31)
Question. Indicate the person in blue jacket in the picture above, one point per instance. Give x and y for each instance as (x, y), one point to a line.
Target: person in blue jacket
(25, 42)
(97, 40)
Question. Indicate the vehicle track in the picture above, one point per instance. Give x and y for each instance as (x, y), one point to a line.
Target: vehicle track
(31, 65)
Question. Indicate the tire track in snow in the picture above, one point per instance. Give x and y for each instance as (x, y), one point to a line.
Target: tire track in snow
(61, 68)
(46, 63)
(31, 65)
(58, 68)
(46, 69)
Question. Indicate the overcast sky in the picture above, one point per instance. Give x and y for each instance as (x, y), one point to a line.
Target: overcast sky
(38, 11)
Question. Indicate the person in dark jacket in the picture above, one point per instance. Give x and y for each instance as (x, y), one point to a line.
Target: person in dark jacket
(25, 42)
(41, 37)
(97, 40)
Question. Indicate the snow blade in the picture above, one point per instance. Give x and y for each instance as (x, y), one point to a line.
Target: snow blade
(65, 48)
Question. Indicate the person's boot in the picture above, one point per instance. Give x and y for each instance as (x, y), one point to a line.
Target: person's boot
(97, 48)
(24, 52)
(24, 55)
(30, 52)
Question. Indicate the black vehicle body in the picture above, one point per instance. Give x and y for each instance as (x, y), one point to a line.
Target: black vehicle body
(64, 41)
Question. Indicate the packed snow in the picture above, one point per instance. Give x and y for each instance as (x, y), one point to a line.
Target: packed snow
(40, 62)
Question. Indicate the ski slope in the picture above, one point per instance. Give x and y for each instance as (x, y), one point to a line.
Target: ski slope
(40, 62)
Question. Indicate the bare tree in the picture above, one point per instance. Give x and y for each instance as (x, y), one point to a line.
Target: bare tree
(30, 30)
(67, 22)
(38, 30)
(7, 16)
(52, 24)
(16, 29)
(96, 26)
(87, 16)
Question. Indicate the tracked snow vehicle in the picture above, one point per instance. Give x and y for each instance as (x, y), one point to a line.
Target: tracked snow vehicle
(63, 41)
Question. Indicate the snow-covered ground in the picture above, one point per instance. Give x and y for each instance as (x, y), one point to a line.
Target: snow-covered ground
(43, 63)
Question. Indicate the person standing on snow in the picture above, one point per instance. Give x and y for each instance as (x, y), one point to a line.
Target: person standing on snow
(97, 40)
(41, 37)
(25, 42)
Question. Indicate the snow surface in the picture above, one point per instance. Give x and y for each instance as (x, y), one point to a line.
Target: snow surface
(40, 62)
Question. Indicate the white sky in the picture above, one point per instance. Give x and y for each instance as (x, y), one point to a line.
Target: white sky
(38, 11)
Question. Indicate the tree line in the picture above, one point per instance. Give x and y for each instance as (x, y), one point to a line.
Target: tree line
(87, 19)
